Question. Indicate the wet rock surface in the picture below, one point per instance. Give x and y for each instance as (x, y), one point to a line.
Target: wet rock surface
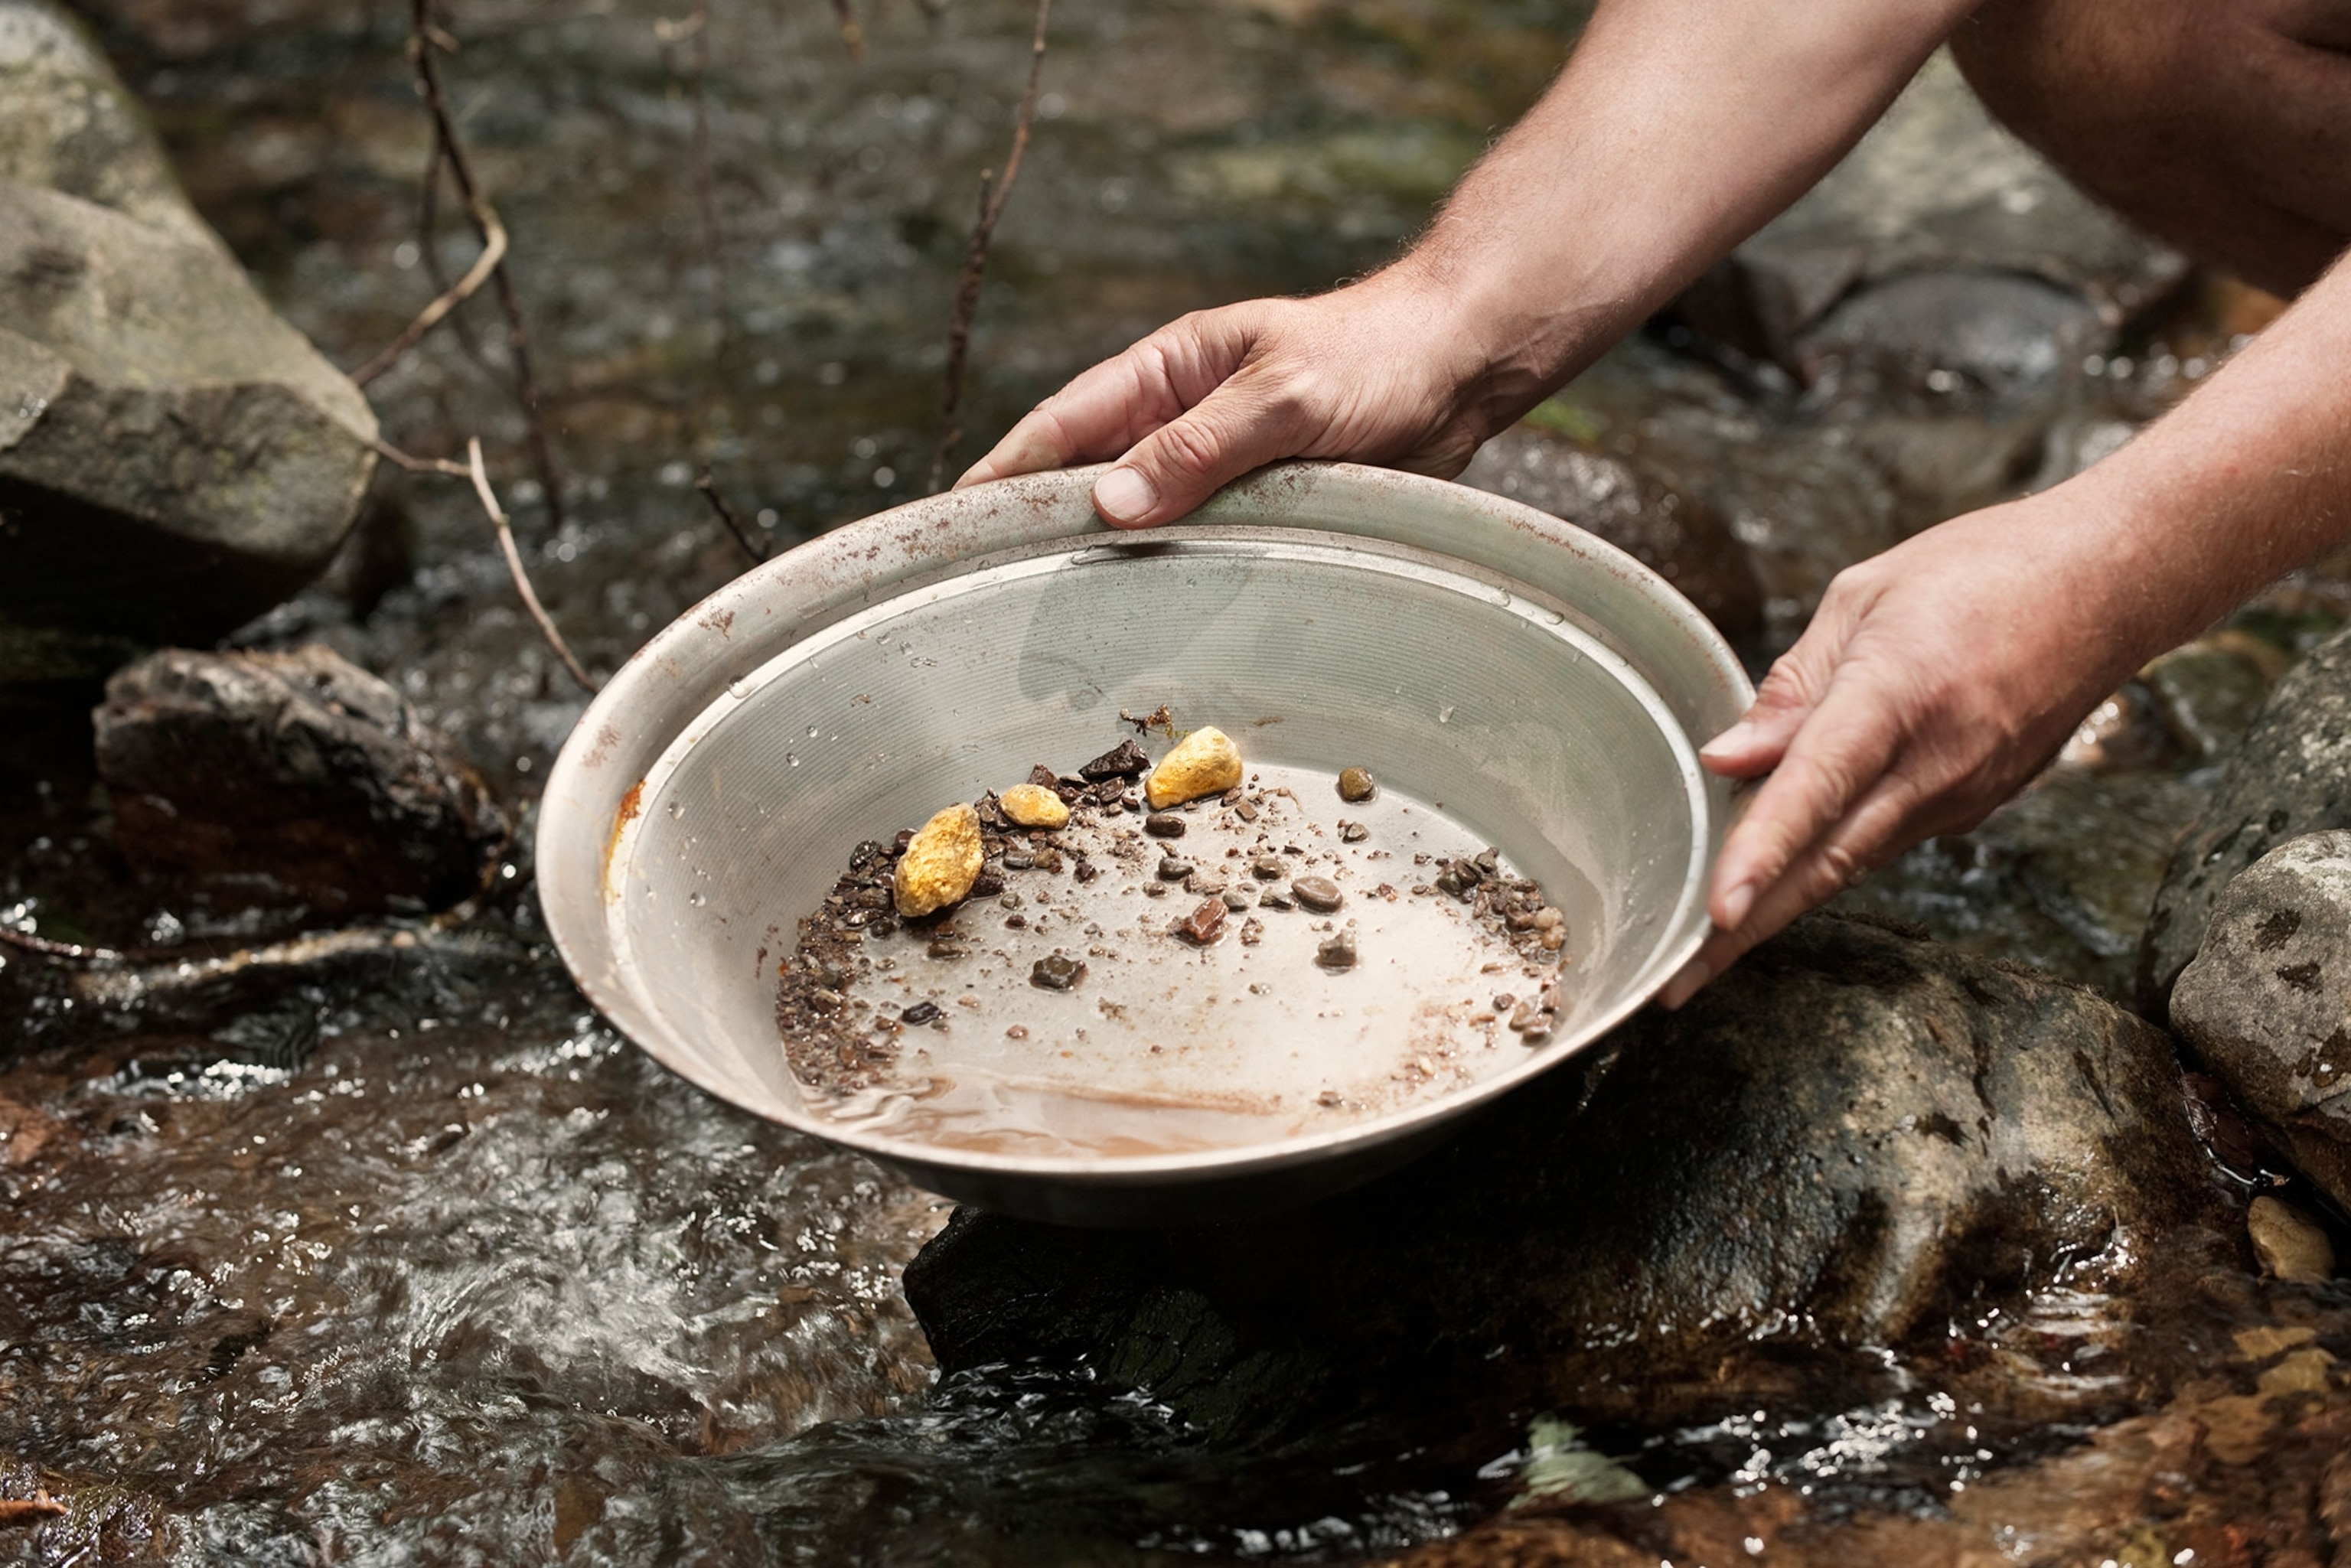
(2292, 775)
(173, 458)
(1685, 541)
(2266, 1003)
(298, 778)
(1857, 1139)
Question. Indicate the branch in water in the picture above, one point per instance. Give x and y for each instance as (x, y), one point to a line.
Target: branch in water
(851, 35)
(993, 194)
(514, 565)
(426, 41)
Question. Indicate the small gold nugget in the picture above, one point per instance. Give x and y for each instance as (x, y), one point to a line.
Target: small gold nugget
(941, 863)
(1034, 806)
(1205, 763)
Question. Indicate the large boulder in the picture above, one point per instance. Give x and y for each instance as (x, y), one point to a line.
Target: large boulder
(173, 457)
(291, 777)
(2266, 1003)
(1685, 541)
(1856, 1139)
(1930, 248)
(2290, 776)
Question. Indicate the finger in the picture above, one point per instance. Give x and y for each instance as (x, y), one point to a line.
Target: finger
(1798, 680)
(1841, 751)
(1870, 835)
(1243, 425)
(1107, 409)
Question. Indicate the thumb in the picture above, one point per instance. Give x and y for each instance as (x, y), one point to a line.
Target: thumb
(1236, 428)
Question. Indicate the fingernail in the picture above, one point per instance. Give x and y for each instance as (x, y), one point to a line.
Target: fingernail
(1732, 739)
(1125, 496)
(1685, 984)
(1735, 905)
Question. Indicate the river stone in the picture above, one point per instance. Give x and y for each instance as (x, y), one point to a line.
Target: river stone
(1852, 1139)
(1683, 540)
(2290, 775)
(175, 457)
(2266, 1003)
(1936, 187)
(291, 777)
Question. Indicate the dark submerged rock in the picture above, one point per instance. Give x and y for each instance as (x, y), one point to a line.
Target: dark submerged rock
(1685, 541)
(1851, 1139)
(173, 457)
(2291, 775)
(2266, 1004)
(293, 777)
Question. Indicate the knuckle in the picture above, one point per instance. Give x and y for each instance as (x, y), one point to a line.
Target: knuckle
(1187, 448)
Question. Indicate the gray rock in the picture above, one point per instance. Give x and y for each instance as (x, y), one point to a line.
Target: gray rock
(1937, 186)
(291, 777)
(1687, 542)
(2290, 776)
(173, 457)
(2266, 1004)
(1852, 1140)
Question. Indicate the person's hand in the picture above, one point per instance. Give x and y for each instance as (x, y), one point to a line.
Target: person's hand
(1935, 680)
(1379, 372)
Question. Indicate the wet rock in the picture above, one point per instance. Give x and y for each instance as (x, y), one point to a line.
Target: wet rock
(1173, 870)
(174, 459)
(1355, 784)
(1849, 1141)
(1973, 338)
(2291, 1245)
(1125, 760)
(2291, 775)
(2208, 692)
(1034, 806)
(2266, 1004)
(294, 777)
(1936, 187)
(1337, 951)
(1160, 825)
(1205, 924)
(1319, 893)
(1685, 541)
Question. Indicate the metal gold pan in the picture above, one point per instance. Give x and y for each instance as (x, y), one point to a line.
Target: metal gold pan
(1545, 688)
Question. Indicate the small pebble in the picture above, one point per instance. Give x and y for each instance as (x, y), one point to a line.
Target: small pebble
(1267, 868)
(1173, 870)
(1246, 811)
(1085, 871)
(921, 1012)
(1018, 860)
(1205, 762)
(1354, 832)
(1504, 1002)
(1160, 825)
(943, 948)
(1531, 1019)
(1355, 784)
(1155, 889)
(1237, 899)
(1252, 932)
(1125, 760)
(1046, 859)
(1276, 898)
(988, 885)
(1319, 893)
(1205, 924)
(1057, 972)
(1015, 1033)
(940, 863)
(1338, 952)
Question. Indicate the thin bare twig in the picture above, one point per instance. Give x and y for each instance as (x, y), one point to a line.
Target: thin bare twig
(851, 35)
(755, 549)
(427, 40)
(448, 300)
(993, 194)
(414, 463)
(481, 478)
(695, 30)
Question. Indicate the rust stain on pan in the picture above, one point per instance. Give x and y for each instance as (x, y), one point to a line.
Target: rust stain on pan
(631, 804)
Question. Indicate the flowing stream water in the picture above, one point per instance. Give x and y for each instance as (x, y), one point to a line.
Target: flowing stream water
(408, 1258)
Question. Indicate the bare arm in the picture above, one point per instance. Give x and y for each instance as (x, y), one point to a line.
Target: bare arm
(1936, 678)
(1677, 127)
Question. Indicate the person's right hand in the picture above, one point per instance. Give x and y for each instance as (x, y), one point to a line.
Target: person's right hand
(1380, 371)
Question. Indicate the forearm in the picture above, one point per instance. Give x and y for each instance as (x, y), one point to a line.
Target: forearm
(1677, 127)
(2246, 480)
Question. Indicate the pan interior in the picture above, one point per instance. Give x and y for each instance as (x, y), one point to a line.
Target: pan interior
(1480, 707)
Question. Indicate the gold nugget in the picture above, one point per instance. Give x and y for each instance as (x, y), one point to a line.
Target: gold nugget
(941, 863)
(1205, 763)
(1034, 806)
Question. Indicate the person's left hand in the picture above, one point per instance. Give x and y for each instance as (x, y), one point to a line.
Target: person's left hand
(1935, 680)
